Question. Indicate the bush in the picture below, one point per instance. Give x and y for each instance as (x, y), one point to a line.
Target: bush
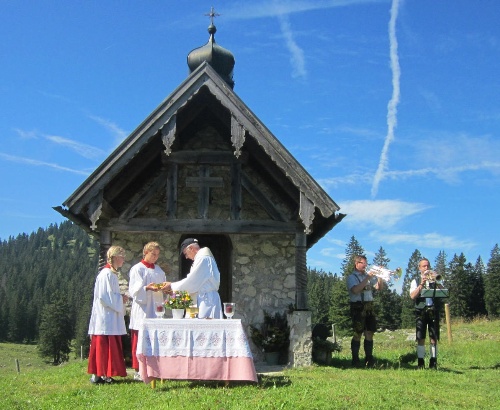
(273, 335)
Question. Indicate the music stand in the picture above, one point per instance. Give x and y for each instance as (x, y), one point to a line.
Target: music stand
(434, 293)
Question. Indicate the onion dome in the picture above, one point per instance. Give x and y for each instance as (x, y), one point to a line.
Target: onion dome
(221, 60)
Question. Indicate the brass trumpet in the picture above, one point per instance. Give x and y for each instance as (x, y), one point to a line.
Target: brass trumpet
(432, 276)
(385, 274)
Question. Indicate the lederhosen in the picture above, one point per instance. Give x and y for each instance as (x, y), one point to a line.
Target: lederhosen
(427, 317)
(363, 315)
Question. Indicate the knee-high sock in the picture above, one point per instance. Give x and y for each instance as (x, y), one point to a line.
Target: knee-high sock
(420, 351)
(355, 345)
(434, 350)
(368, 346)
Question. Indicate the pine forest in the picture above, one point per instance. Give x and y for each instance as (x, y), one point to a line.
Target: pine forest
(47, 279)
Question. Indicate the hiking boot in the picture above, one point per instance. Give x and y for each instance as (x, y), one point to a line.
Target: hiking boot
(433, 363)
(421, 363)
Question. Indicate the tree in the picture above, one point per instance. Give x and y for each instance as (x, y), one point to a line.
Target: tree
(407, 304)
(461, 283)
(477, 301)
(353, 248)
(387, 302)
(55, 330)
(61, 257)
(492, 283)
(319, 285)
(441, 266)
(339, 312)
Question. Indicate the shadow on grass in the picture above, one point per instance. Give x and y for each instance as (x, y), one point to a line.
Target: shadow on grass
(264, 382)
(495, 367)
(381, 364)
(407, 362)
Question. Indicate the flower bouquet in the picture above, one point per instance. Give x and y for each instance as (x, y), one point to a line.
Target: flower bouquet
(178, 299)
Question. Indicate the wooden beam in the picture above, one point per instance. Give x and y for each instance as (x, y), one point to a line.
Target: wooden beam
(172, 172)
(202, 226)
(204, 182)
(236, 202)
(262, 199)
(205, 157)
(144, 196)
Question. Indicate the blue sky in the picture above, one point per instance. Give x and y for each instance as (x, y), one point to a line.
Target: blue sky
(392, 106)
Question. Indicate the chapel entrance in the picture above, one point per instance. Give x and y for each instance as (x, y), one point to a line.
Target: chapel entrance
(222, 249)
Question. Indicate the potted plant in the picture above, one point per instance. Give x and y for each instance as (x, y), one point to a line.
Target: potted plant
(178, 301)
(322, 348)
(272, 336)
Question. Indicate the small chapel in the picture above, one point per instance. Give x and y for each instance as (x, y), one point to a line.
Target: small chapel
(202, 165)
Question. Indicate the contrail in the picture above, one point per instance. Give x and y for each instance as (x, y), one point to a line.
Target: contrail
(394, 101)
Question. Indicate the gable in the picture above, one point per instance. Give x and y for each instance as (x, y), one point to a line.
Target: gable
(202, 136)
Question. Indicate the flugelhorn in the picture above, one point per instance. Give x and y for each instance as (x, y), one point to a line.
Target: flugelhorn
(432, 276)
(385, 274)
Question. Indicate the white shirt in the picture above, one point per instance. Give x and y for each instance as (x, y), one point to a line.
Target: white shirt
(143, 305)
(107, 308)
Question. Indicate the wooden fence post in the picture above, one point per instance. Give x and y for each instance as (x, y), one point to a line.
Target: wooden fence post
(448, 321)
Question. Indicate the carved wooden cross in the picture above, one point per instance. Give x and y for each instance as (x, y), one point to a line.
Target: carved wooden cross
(204, 183)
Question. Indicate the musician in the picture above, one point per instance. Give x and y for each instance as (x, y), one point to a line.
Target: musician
(426, 313)
(360, 285)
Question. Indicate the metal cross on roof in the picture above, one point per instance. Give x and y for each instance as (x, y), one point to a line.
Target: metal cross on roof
(212, 14)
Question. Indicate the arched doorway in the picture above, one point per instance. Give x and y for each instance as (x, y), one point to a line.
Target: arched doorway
(222, 249)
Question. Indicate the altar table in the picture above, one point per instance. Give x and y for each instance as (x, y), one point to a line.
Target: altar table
(194, 349)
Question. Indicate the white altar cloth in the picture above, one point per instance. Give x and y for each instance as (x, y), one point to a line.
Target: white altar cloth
(199, 349)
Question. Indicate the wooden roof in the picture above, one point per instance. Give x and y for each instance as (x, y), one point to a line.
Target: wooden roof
(137, 162)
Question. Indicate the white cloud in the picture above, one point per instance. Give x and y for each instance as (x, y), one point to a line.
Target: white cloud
(426, 240)
(113, 128)
(443, 156)
(337, 242)
(84, 150)
(394, 101)
(296, 53)
(281, 9)
(26, 134)
(266, 8)
(34, 162)
(381, 213)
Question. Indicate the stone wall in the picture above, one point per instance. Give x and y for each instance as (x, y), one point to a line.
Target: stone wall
(263, 277)
(300, 353)
(262, 266)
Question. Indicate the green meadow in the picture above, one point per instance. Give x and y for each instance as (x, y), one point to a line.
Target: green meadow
(468, 377)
